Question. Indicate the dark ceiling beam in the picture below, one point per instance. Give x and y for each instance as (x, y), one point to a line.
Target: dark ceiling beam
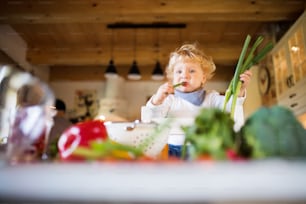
(156, 25)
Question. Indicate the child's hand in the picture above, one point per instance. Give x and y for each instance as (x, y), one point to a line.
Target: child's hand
(163, 91)
(245, 77)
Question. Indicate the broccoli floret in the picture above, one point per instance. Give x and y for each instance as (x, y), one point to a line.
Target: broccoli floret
(273, 132)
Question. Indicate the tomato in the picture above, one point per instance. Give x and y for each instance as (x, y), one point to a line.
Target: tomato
(80, 135)
(233, 156)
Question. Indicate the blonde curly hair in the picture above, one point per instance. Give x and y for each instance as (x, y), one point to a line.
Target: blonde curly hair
(193, 53)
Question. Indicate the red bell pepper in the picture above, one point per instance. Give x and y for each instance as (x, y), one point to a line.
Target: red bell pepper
(80, 135)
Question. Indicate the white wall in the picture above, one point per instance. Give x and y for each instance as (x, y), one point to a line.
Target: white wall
(135, 93)
(253, 100)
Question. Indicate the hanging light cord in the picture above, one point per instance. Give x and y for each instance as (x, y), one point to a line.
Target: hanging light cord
(135, 33)
(157, 44)
(112, 44)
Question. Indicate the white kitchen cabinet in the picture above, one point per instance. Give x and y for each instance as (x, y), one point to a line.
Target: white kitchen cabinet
(289, 61)
(295, 98)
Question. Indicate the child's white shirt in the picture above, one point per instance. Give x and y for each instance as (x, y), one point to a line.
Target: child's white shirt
(185, 112)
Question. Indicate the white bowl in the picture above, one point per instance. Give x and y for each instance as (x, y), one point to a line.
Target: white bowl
(137, 134)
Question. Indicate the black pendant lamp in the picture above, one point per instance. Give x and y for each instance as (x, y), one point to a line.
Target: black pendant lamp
(111, 70)
(157, 73)
(134, 73)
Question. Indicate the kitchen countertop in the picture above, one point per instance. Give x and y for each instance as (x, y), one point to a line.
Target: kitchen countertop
(267, 181)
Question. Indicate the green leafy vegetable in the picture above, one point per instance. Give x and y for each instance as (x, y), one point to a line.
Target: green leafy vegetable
(272, 132)
(211, 134)
(107, 148)
(269, 132)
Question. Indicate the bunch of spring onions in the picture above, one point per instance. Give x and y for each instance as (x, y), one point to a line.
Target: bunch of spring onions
(246, 60)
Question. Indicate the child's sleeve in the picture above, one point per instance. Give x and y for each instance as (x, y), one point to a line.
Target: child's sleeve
(159, 111)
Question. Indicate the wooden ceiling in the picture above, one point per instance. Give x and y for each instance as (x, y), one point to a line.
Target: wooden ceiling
(72, 36)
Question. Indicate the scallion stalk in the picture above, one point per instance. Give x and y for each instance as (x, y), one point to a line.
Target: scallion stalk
(244, 63)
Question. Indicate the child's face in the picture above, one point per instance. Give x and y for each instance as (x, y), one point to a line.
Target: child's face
(190, 72)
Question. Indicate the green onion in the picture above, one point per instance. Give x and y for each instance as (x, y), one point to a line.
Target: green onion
(180, 84)
(245, 62)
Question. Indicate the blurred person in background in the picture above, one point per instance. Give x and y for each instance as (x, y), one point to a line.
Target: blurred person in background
(61, 123)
